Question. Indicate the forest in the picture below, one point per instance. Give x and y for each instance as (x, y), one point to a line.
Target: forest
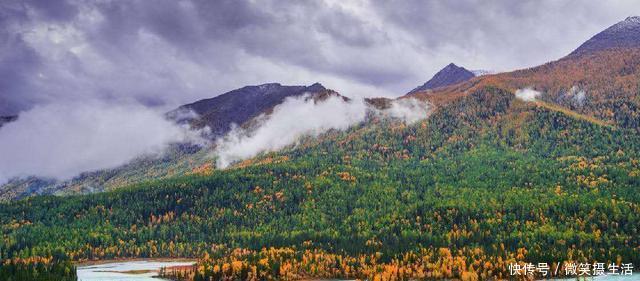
(484, 182)
(38, 269)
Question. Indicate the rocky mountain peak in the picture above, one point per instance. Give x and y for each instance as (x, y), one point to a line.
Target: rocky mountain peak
(449, 75)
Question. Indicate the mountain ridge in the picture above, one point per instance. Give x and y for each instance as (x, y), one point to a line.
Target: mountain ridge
(239, 106)
(624, 34)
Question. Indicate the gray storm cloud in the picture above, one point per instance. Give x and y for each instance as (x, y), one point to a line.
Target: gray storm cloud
(61, 56)
(62, 140)
(299, 116)
(166, 52)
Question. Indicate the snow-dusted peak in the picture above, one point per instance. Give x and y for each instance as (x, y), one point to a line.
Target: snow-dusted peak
(628, 23)
(624, 34)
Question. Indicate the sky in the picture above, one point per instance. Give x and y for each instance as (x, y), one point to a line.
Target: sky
(165, 53)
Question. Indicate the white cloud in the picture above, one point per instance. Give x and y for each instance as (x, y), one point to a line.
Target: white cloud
(62, 140)
(294, 118)
(301, 116)
(409, 110)
(577, 95)
(527, 94)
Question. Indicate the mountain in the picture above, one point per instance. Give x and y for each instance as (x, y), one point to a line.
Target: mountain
(597, 82)
(178, 159)
(624, 34)
(449, 75)
(487, 180)
(240, 105)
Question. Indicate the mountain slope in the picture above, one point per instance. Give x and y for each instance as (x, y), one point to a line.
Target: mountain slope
(179, 159)
(449, 75)
(624, 34)
(606, 71)
(606, 81)
(598, 81)
(486, 181)
(602, 85)
(240, 107)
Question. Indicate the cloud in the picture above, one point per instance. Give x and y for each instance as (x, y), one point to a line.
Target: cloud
(495, 34)
(301, 116)
(527, 94)
(577, 95)
(165, 53)
(294, 118)
(409, 110)
(62, 140)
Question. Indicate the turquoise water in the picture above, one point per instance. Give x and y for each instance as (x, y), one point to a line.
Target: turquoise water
(113, 271)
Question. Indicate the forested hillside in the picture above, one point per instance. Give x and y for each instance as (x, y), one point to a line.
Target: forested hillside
(485, 181)
(539, 165)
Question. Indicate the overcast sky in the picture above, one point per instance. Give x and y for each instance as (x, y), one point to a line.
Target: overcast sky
(167, 52)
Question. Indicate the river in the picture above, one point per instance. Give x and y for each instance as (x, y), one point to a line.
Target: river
(125, 271)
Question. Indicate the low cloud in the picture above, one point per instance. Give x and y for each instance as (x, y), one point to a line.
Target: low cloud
(61, 141)
(302, 116)
(408, 110)
(294, 118)
(577, 95)
(527, 94)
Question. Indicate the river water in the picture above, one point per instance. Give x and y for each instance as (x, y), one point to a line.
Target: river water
(122, 271)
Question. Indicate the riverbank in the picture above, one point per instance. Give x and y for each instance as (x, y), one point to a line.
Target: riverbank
(128, 269)
(124, 260)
